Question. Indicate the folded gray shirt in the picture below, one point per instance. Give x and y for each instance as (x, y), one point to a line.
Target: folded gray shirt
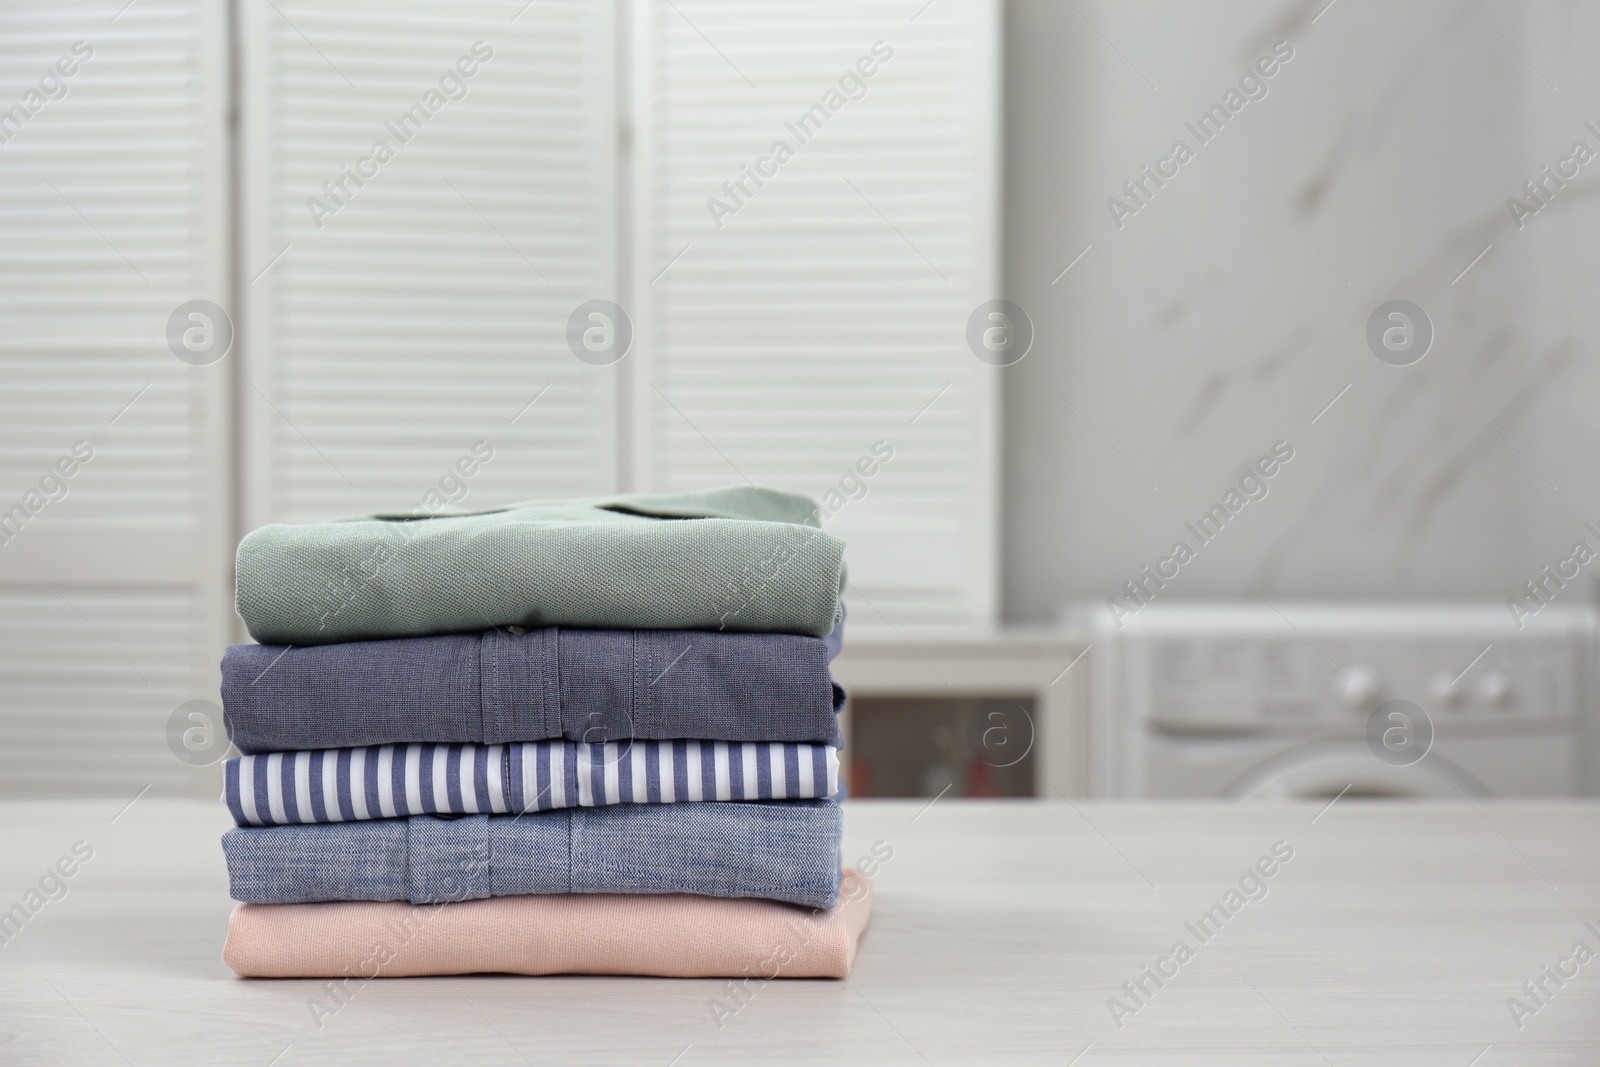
(498, 686)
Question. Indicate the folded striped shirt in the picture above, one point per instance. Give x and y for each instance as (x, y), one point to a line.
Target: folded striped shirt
(396, 781)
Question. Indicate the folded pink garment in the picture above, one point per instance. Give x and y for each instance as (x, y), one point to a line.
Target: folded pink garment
(676, 936)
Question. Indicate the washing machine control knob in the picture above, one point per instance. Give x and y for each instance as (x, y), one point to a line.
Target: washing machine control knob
(1494, 689)
(1442, 687)
(1359, 687)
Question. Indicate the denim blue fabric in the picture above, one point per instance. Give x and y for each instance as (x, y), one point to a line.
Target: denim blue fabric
(496, 687)
(785, 851)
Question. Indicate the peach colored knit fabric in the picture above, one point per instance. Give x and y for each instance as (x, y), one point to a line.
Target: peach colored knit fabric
(677, 936)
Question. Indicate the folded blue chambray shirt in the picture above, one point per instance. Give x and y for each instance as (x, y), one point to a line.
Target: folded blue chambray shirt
(785, 851)
(387, 781)
(499, 686)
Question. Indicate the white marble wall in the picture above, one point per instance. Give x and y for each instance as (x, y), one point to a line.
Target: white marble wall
(1222, 317)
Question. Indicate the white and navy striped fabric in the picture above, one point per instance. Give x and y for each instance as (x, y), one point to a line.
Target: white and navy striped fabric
(394, 781)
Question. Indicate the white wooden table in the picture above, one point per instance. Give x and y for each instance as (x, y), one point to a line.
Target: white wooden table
(1395, 935)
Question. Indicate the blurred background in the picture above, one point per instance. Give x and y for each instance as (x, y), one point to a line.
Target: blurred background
(940, 264)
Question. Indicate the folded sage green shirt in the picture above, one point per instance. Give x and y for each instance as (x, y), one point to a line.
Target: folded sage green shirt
(743, 559)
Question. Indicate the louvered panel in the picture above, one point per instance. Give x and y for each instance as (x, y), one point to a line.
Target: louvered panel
(429, 309)
(829, 309)
(113, 212)
(101, 668)
(106, 197)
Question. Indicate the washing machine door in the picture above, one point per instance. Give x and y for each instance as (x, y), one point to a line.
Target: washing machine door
(1326, 769)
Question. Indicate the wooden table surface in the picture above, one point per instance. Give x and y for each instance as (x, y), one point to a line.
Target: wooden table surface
(1396, 934)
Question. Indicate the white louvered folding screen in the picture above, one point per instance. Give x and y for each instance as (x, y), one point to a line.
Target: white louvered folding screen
(114, 601)
(397, 317)
(388, 324)
(787, 325)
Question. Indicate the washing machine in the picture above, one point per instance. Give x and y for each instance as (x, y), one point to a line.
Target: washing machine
(1260, 701)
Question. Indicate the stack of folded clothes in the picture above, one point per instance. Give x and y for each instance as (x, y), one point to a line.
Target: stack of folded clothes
(581, 737)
